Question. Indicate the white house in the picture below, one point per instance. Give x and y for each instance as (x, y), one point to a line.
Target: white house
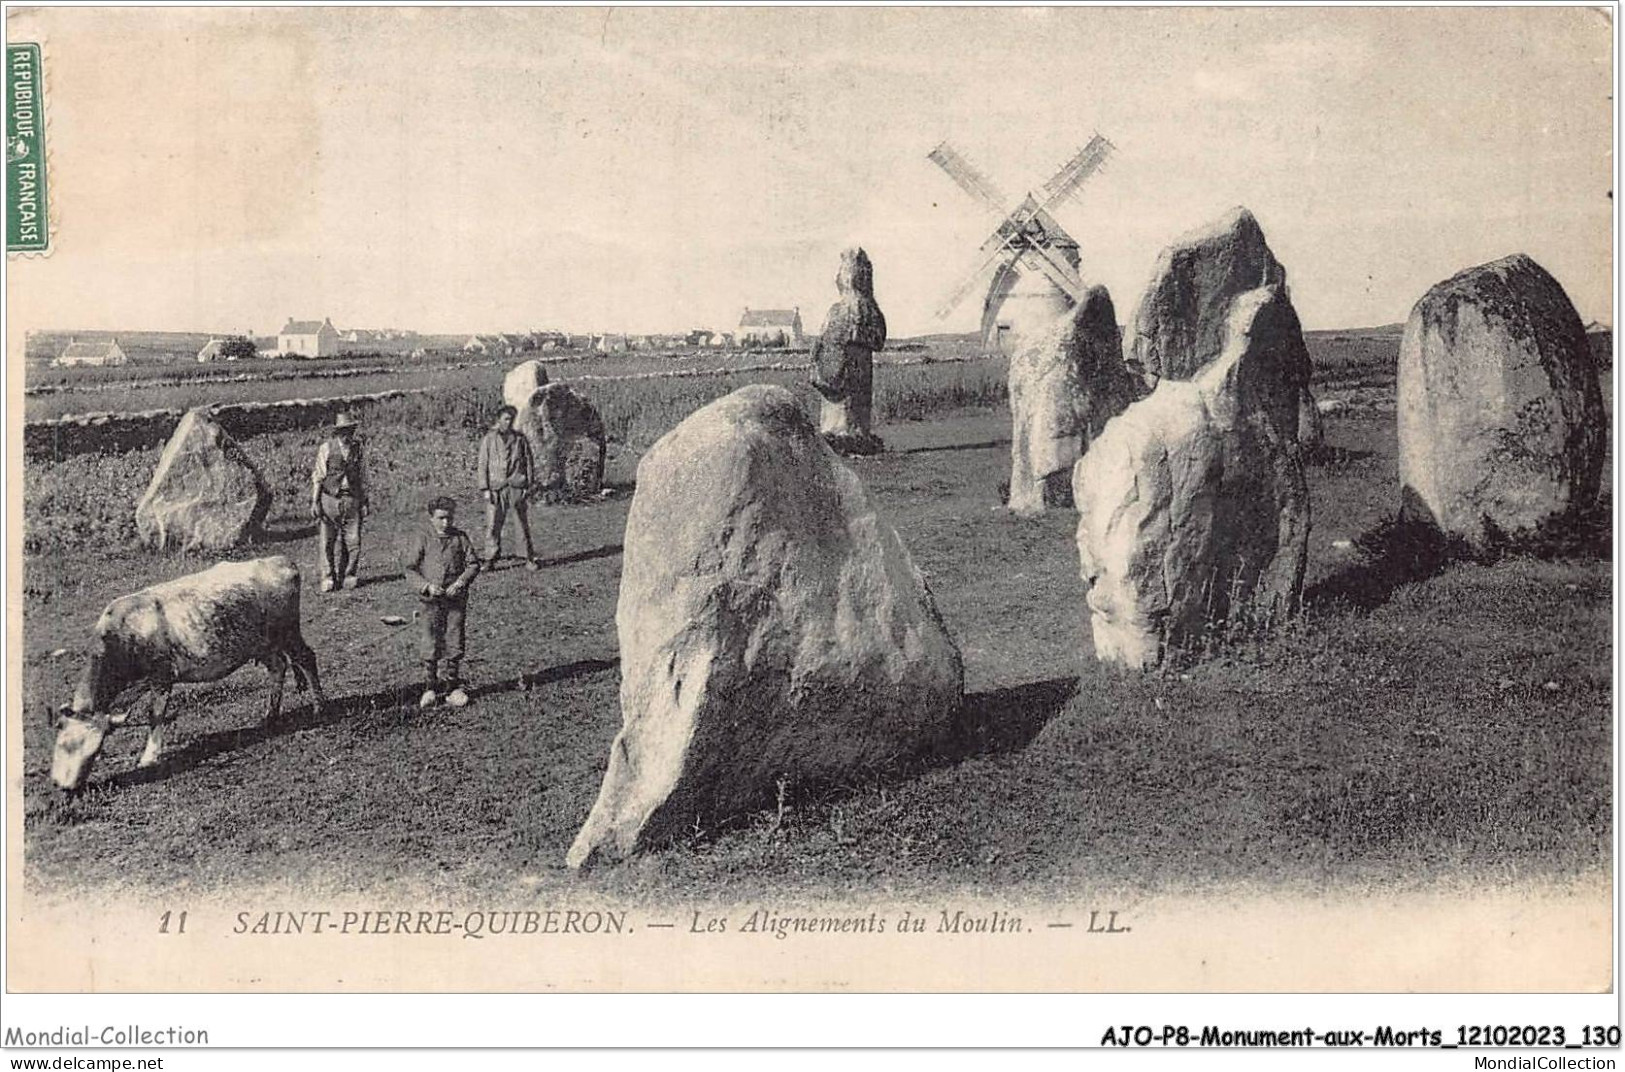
(780, 327)
(210, 351)
(307, 338)
(92, 353)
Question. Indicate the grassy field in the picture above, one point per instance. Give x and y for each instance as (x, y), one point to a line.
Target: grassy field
(57, 392)
(1343, 360)
(92, 382)
(1417, 723)
(425, 441)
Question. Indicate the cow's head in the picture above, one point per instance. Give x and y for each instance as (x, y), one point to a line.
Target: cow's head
(78, 741)
(82, 724)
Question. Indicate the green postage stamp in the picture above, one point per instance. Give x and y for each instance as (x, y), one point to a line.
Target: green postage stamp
(27, 215)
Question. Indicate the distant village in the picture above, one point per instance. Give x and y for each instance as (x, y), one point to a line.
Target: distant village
(757, 328)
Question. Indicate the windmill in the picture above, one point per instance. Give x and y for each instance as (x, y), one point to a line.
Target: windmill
(1033, 260)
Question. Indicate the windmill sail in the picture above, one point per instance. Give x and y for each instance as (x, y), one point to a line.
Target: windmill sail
(1011, 243)
(968, 284)
(1075, 171)
(1059, 271)
(967, 176)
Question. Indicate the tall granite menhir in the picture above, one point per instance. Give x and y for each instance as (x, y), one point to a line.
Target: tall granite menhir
(1182, 316)
(1192, 504)
(1501, 423)
(843, 358)
(1064, 386)
(772, 626)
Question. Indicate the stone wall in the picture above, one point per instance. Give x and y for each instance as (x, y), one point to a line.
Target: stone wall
(116, 433)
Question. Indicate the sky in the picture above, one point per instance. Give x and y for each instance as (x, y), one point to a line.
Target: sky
(649, 169)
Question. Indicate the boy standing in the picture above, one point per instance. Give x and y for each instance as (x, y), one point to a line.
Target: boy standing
(503, 475)
(338, 502)
(440, 563)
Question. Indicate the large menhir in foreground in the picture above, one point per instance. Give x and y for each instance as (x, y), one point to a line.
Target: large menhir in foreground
(771, 626)
(200, 627)
(1502, 430)
(1192, 504)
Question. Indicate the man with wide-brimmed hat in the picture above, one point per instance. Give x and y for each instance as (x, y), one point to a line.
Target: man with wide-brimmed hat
(338, 502)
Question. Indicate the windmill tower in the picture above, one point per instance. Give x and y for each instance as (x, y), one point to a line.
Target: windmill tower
(1034, 262)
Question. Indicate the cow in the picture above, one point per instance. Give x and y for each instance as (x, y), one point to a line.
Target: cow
(200, 627)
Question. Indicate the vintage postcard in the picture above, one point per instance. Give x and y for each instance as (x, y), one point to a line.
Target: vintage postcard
(1072, 499)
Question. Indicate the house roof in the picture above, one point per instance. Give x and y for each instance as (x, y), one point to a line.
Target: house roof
(769, 318)
(303, 327)
(92, 349)
(210, 347)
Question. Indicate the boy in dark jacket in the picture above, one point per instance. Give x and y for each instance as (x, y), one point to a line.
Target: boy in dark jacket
(440, 563)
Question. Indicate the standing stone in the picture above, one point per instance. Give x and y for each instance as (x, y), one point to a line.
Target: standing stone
(206, 495)
(1180, 325)
(1501, 423)
(843, 358)
(772, 626)
(567, 442)
(1064, 387)
(522, 381)
(1192, 503)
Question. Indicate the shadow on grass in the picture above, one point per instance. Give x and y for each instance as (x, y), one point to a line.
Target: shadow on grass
(608, 551)
(506, 564)
(528, 681)
(1410, 547)
(336, 710)
(988, 445)
(1005, 720)
(290, 534)
(201, 749)
(510, 563)
(1324, 457)
(1398, 551)
(987, 723)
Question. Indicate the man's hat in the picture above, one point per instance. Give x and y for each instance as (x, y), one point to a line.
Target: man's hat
(344, 420)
